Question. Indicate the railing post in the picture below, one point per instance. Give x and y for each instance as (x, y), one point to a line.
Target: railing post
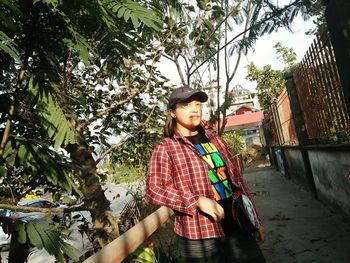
(300, 129)
(296, 109)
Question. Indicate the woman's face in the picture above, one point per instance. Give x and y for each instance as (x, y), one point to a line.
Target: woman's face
(188, 116)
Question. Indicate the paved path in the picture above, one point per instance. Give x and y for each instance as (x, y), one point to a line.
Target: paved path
(299, 228)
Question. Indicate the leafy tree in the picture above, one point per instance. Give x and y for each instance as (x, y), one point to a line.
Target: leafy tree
(286, 56)
(197, 39)
(73, 73)
(270, 82)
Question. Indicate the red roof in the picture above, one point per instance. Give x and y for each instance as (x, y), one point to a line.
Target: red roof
(244, 120)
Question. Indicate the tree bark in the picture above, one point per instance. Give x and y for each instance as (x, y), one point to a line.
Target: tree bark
(104, 223)
(18, 252)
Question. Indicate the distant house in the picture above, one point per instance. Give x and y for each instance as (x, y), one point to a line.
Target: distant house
(243, 109)
(247, 120)
(243, 97)
(240, 95)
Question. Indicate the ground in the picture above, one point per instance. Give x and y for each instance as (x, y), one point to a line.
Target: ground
(299, 228)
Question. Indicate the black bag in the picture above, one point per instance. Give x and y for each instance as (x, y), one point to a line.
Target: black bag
(244, 213)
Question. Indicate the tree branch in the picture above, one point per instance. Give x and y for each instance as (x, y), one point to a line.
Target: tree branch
(176, 60)
(104, 112)
(114, 146)
(129, 98)
(29, 209)
(240, 34)
(126, 137)
(168, 57)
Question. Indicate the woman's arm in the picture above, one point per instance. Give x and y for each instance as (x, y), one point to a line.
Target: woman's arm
(160, 189)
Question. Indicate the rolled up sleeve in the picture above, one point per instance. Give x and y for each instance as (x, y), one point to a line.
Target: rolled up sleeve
(160, 188)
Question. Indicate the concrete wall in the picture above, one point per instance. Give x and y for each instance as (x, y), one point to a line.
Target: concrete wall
(295, 167)
(331, 172)
(330, 168)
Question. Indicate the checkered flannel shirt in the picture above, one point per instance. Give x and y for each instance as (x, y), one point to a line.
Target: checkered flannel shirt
(177, 177)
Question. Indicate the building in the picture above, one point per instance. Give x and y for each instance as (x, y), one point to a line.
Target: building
(242, 97)
(247, 121)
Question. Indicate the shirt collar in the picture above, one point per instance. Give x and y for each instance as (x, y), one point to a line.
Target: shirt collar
(179, 136)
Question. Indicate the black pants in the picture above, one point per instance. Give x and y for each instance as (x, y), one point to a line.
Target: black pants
(236, 248)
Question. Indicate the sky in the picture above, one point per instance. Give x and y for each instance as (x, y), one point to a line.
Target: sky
(262, 54)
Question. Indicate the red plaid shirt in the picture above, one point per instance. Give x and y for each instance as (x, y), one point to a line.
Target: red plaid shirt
(177, 177)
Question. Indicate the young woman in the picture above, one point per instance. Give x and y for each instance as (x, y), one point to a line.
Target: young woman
(191, 171)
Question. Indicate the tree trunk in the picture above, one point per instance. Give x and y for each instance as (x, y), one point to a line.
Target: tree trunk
(18, 252)
(104, 223)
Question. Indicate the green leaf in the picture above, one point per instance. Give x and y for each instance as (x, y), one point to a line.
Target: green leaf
(121, 11)
(70, 251)
(3, 170)
(13, 6)
(8, 149)
(143, 255)
(136, 13)
(7, 45)
(50, 243)
(135, 21)
(34, 236)
(20, 232)
(53, 118)
(207, 23)
(43, 161)
(82, 47)
(202, 4)
(7, 22)
(127, 15)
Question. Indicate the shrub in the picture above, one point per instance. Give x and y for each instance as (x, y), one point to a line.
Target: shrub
(234, 142)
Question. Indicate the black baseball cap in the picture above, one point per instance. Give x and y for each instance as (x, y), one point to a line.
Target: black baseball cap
(185, 93)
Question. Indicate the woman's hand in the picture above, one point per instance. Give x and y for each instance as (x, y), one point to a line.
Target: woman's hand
(260, 235)
(211, 208)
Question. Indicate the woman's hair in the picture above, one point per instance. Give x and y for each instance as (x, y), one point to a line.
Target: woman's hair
(169, 126)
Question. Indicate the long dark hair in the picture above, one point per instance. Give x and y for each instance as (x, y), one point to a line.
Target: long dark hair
(169, 126)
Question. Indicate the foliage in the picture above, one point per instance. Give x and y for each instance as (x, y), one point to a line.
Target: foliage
(215, 34)
(37, 236)
(316, 9)
(41, 85)
(122, 173)
(234, 142)
(73, 73)
(270, 82)
(144, 255)
(287, 56)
